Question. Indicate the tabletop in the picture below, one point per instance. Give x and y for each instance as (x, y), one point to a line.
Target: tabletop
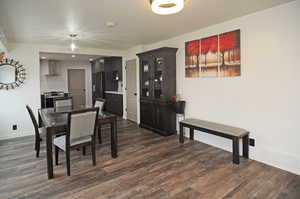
(59, 116)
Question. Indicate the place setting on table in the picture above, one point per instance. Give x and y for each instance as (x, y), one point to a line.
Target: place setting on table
(65, 123)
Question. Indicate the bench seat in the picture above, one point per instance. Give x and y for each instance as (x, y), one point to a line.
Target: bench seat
(226, 131)
(229, 130)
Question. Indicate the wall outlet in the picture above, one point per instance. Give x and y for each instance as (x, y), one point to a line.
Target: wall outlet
(14, 127)
(252, 142)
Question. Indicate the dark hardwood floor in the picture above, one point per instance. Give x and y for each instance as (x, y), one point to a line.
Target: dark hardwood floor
(148, 166)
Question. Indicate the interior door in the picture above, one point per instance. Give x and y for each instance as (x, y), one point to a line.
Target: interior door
(76, 84)
(131, 90)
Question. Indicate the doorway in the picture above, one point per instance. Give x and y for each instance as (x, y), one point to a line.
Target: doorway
(76, 85)
(131, 90)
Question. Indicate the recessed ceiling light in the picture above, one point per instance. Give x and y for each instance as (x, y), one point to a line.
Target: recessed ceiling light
(43, 57)
(110, 24)
(91, 59)
(73, 56)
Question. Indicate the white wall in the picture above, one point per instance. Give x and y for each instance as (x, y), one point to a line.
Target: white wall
(60, 82)
(12, 102)
(265, 99)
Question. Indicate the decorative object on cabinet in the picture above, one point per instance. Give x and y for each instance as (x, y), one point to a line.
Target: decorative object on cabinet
(157, 86)
(12, 74)
(179, 105)
(214, 56)
(2, 55)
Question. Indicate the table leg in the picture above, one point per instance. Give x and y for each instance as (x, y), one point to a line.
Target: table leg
(191, 133)
(114, 139)
(49, 154)
(99, 134)
(246, 146)
(181, 138)
(235, 150)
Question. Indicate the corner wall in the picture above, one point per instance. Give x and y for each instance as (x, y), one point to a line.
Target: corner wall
(265, 99)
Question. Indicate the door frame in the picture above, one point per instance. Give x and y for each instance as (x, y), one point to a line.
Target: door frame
(137, 96)
(137, 87)
(87, 100)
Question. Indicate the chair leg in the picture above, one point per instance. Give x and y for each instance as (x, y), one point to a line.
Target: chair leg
(99, 134)
(68, 161)
(94, 150)
(56, 155)
(83, 150)
(37, 147)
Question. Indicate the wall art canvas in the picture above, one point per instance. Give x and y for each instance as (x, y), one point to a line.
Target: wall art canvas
(209, 64)
(214, 56)
(192, 60)
(230, 59)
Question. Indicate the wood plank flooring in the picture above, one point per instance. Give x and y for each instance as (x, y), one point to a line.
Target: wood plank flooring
(148, 166)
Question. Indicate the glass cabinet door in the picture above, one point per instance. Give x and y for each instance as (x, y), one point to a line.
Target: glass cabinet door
(158, 77)
(146, 79)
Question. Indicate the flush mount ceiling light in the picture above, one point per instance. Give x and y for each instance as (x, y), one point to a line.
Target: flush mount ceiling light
(72, 45)
(166, 7)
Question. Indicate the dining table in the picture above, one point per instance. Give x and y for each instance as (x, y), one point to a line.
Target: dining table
(55, 121)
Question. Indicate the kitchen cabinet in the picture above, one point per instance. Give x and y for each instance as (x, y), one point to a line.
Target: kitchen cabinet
(114, 103)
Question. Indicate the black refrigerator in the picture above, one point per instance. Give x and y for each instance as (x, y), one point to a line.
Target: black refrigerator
(98, 85)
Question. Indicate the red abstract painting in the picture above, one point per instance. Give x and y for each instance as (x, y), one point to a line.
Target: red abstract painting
(192, 58)
(230, 59)
(218, 55)
(209, 57)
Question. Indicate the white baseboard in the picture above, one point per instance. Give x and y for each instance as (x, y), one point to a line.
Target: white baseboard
(15, 135)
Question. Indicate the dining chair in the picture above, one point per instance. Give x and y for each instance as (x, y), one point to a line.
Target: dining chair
(37, 131)
(100, 102)
(63, 101)
(81, 132)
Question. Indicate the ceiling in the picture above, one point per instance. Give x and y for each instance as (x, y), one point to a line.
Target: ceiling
(68, 57)
(51, 21)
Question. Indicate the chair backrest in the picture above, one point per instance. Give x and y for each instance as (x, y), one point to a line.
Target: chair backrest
(82, 123)
(64, 101)
(34, 122)
(100, 102)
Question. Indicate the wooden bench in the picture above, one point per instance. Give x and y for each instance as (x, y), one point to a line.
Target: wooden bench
(233, 133)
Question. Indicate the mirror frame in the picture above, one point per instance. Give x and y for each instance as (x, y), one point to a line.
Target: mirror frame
(20, 73)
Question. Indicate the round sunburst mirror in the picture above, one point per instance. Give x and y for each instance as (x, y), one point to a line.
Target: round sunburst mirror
(12, 74)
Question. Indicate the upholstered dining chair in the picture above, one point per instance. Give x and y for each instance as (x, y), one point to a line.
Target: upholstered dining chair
(100, 102)
(81, 132)
(37, 131)
(64, 101)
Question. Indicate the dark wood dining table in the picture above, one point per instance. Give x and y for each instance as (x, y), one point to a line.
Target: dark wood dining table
(55, 122)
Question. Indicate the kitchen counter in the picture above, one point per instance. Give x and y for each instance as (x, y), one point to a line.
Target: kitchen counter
(114, 102)
(47, 98)
(114, 92)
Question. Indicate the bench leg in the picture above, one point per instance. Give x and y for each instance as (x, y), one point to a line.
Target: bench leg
(181, 138)
(235, 150)
(246, 146)
(191, 134)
